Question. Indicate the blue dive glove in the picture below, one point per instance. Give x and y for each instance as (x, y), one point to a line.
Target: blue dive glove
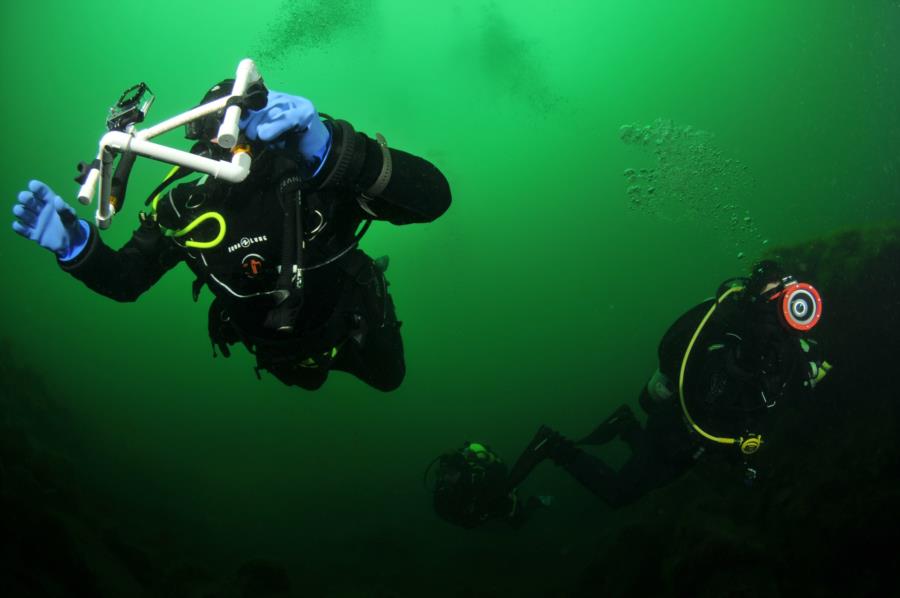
(283, 120)
(42, 216)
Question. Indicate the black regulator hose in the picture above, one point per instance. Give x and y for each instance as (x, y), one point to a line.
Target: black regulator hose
(119, 184)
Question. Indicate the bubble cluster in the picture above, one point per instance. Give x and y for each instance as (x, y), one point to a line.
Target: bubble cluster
(301, 25)
(511, 61)
(691, 180)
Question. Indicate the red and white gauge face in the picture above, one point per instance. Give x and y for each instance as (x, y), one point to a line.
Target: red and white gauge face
(801, 306)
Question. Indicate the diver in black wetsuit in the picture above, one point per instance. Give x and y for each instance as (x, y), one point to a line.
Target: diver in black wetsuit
(724, 366)
(278, 250)
(472, 486)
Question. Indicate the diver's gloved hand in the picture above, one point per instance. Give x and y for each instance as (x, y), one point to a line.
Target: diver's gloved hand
(43, 216)
(288, 119)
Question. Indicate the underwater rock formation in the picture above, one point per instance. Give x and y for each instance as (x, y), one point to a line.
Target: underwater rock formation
(40, 554)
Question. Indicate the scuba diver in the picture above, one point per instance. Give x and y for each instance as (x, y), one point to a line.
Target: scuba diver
(279, 250)
(472, 486)
(724, 367)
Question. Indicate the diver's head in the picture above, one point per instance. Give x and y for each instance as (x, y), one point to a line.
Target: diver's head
(206, 129)
(765, 276)
(469, 483)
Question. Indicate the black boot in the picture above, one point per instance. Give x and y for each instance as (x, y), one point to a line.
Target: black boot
(546, 444)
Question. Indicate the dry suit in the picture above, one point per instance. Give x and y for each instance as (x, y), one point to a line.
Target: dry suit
(744, 365)
(342, 317)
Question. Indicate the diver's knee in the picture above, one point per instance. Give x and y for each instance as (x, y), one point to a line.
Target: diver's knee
(390, 382)
(308, 384)
(296, 376)
(387, 386)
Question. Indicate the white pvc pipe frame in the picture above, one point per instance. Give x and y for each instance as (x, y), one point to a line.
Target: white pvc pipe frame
(137, 142)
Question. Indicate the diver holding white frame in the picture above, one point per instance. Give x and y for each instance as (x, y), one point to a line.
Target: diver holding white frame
(268, 216)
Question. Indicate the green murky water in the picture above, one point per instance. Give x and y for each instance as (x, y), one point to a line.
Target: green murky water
(611, 163)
